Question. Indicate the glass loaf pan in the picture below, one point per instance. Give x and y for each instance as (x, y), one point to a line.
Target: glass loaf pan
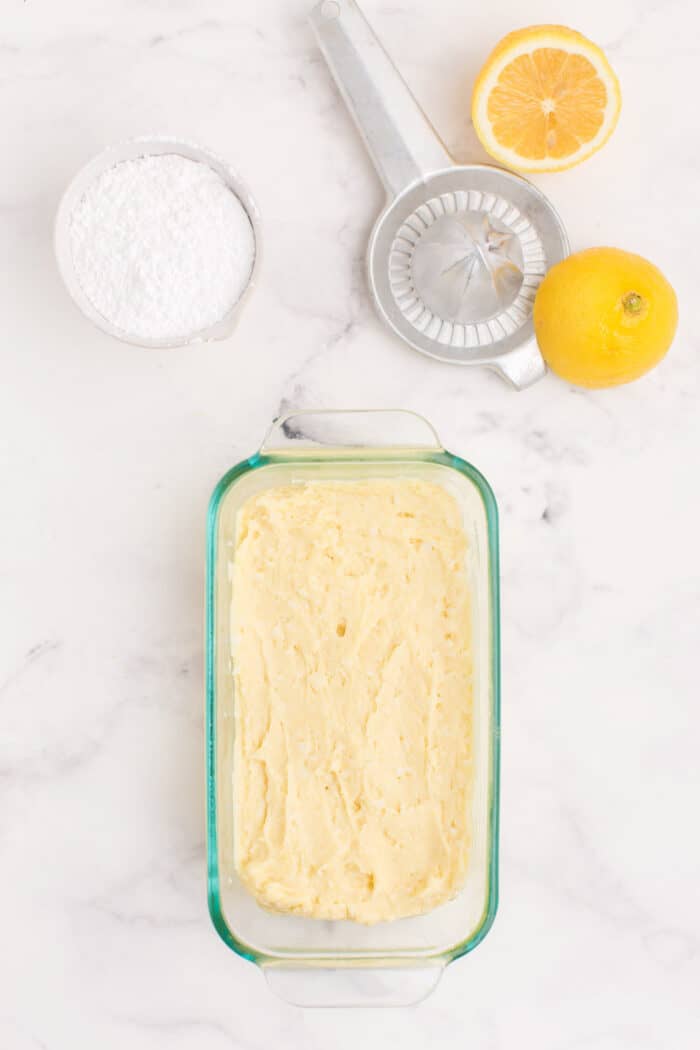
(320, 963)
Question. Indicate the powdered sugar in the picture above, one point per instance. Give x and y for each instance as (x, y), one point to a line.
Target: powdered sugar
(161, 246)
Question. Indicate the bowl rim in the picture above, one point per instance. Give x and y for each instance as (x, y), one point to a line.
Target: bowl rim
(131, 149)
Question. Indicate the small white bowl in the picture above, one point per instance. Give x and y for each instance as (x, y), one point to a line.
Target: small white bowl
(131, 150)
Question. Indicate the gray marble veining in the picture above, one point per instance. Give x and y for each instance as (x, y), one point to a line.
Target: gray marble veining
(109, 454)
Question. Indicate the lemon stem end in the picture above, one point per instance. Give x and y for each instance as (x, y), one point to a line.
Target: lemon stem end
(632, 303)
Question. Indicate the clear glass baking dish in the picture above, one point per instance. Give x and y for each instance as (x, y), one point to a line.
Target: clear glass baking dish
(319, 963)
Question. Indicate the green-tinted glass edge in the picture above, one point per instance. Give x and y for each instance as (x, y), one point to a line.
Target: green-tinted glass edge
(491, 509)
(213, 891)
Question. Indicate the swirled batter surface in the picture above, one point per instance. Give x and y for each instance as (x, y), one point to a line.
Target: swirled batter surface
(353, 722)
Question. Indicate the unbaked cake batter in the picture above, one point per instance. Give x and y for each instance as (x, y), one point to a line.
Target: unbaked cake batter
(353, 719)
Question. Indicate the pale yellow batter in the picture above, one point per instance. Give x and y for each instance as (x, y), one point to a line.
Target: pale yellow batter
(353, 749)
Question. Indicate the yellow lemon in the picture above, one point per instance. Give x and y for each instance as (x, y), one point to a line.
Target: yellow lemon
(604, 317)
(546, 99)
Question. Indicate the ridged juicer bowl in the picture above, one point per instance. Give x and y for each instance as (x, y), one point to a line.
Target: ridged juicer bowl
(456, 257)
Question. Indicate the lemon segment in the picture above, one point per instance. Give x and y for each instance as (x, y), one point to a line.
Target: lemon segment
(546, 99)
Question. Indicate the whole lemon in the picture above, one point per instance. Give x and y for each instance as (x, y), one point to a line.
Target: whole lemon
(604, 316)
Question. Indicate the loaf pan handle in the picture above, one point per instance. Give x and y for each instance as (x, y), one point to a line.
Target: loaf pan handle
(352, 985)
(395, 428)
(399, 137)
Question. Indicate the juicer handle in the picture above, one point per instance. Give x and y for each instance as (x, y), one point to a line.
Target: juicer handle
(350, 428)
(352, 985)
(401, 140)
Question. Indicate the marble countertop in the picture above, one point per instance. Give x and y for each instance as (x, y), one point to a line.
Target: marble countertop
(109, 455)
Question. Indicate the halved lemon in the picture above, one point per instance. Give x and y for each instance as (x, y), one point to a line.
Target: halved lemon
(546, 99)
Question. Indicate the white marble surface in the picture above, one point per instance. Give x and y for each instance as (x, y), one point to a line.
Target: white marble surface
(109, 454)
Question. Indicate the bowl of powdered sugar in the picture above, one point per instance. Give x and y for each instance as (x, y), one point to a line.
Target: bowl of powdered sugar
(157, 242)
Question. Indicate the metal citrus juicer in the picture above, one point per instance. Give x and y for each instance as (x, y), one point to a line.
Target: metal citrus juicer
(456, 256)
